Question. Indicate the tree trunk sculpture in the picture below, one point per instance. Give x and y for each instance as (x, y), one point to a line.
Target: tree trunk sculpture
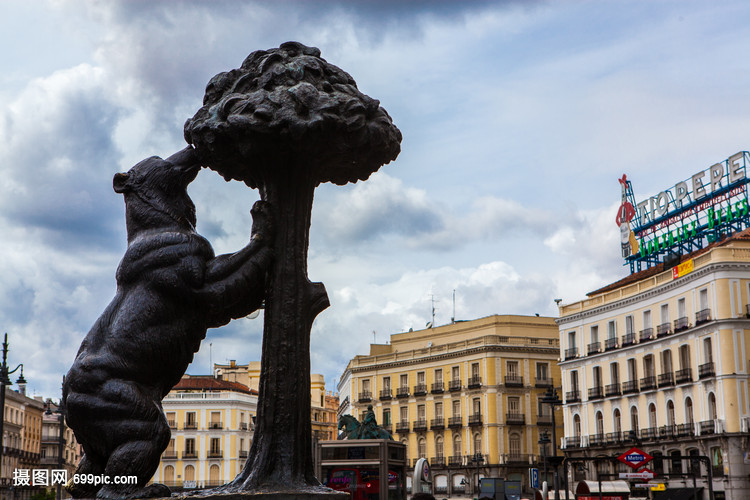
(284, 122)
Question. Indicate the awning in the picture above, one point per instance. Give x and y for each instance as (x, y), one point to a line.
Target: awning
(678, 494)
(611, 490)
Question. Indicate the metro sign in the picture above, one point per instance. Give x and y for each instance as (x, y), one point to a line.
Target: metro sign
(635, 458)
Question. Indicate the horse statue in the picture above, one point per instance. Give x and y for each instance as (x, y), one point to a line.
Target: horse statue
(369, 429)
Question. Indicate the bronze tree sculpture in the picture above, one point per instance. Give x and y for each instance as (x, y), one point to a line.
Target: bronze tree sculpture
(284, 122)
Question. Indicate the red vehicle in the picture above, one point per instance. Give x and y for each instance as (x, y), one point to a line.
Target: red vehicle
(362, 484)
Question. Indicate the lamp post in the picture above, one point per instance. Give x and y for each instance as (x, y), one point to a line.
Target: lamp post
(478, 459)
(5, 381)
(551, 398)
(543, 442)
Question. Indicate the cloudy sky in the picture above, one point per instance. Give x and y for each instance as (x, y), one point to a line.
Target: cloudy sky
(517, 118)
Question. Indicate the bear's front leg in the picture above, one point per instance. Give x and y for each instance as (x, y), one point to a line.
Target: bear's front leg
(234, 284)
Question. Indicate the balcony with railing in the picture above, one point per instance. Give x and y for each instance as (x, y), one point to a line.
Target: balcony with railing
(215, 425)
(646, 335)
(475, 419)
(437, 461)
(648, 383)
(365, 397)
(437, 388)
(517, 458)
(667, 431)
(573, 442)
(215, 454)
(543, 382)
(172, 424)
(455, 460)
(513, 381)
(594, 348)
(702, 316)
(515, 418)
(243, 426)
(420, 389)
(707, 427)
(596, 392)
(681, 324)
(189, 455)
(649, 433)
(542, 419)
(683, 376)
(628, 339)
(613, 437)
(420, 425)
(437, 423)
(596, 439)
(169, 455)
(610, 343)
(707, 370)
(684, 430)
(666, 379)
(630, 387)
(612, 390)
(386, 394)
(663, 330)
(573, 397)
(243, 453)
(454, 385)
(402, 392)
(455, 422)
(474, 382)
(571, 353)
(402, 426)
(629, 436)
(191, 425)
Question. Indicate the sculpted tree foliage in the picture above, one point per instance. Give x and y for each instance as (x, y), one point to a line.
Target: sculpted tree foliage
(284, 122)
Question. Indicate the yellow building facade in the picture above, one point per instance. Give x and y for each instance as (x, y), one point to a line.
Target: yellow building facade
(660, 361)
(466, 396)
(211, 424)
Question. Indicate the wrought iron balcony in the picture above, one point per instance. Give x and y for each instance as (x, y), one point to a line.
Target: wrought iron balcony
(215, 454)
(189, 455)
(573, 396)
(437, 461)
(663, 329)
(517, 458)
(684, 375)
(702, 316)
(628, 339)
(437, 388)
(402, 427)
(169, 455)
(513, 381)
(594, 348)
(666, 379)
(543, 382)
(707, 427)
(243, 426)
(629, 386)
(667, 431)
(610, 344)
(437, 423)
(475, 419)
(706, 370)
(646, 334)
(596, 392)
(420, 389)
(455, 422)
(454, 385)
(474, 382)
(685, 430)
(365, 397)
(402, 392)
(613, 437)
(649, 433)
(573, 442)
(386, 394)
(571, 353)
(515, 418)
(215, 425)
(612, 390)
(243, 453)
(629, 436)
(596, 439)
(648, 383)
(190, 425)
(681, 324)
(455, 460)
(420, 425)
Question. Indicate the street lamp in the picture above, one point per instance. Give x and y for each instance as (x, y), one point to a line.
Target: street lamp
(551, 398)
(478, 459)
(5, 381)
(543, 442)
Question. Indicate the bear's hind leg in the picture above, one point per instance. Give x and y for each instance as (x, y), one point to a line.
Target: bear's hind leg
(134, 458)
(86, 466)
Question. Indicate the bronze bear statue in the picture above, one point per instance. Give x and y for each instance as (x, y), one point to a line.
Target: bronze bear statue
(170, 290)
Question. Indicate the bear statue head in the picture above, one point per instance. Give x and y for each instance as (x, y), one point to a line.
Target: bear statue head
(155, 192)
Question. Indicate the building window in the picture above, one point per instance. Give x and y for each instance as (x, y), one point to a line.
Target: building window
(708, 354)
(456, 408)
(572, 339)
(189, 473)
(420, 378)
(646, 319)
(594, 332)
(404, 380)
(477, 406)
(614, 372)
(512, 368)
(190, 446)
(439, 446)
(689, 411)
(215, 422)
(684, 357)
(404, 413)
(665, 313)
(190, 422)
(215, 446)
(366, 386)
(648, 365)
(439, 376)
(652, 416)
(456, 373)
(617, 421)
(514, 405)
(577, 426)
(666, 361)
(711, 406)
(386, 383)
(611, 330)
(477, 444)
(386, 416)
(634, 419)
(421, 412)
(597, 377)
(542, 371)
(457, 445)
(422, 447)
(438, 409)
(515, 445)
(670, 413)
(599, 424)
(629, 325)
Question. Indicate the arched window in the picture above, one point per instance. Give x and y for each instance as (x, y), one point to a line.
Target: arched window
(599, 425)
(577, 426)
(652, 416)
(711, 406)
(169, 475)
(670, 414)
(422, 447)
(457, 445)
(214, 475)
(689, 410)
(439, 447)
(617, 421)
(634, 419)
(477, 444)
(189, 473)
(514, 443)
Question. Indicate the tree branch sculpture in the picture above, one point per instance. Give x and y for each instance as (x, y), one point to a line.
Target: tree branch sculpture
(284, 122)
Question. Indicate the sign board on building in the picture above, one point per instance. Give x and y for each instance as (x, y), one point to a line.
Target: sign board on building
(659, 487)
(635, 458)
(534, 477)
(644, 475)
(695, 212)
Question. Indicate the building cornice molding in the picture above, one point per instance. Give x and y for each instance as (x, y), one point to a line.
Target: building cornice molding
(657, 290)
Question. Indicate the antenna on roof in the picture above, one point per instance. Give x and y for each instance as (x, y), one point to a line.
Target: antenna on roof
(453, 318)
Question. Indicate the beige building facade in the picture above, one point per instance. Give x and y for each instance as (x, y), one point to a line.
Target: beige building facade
(661, 361)
(466, 396)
